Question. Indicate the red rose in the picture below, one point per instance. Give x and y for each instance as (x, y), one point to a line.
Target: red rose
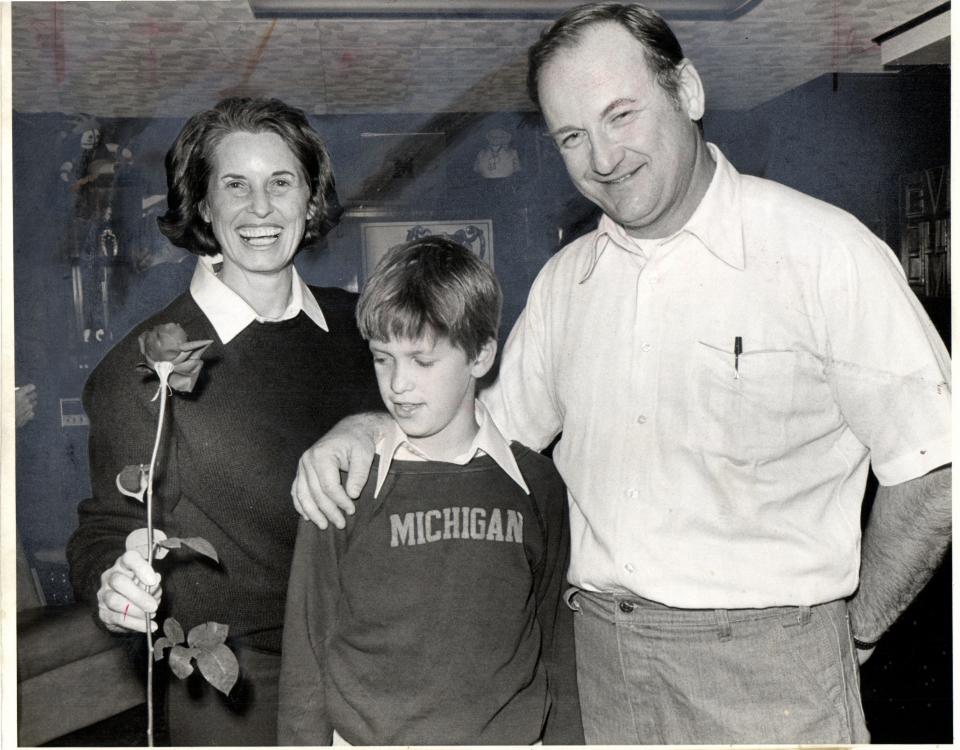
(167, 343)
(163, 343)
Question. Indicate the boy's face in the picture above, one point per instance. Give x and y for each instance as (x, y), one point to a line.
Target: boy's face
(428, 386)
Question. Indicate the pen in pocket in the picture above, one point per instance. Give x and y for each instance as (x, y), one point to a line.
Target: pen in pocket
(737, 351)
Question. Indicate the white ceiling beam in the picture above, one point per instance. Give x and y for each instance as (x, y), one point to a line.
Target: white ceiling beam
(925, 42)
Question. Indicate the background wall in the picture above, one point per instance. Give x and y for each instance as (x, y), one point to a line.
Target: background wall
(845, 141)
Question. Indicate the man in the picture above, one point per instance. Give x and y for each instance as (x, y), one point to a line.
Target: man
(725, 357)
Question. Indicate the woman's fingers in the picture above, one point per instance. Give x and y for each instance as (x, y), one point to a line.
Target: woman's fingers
(129, 590)
(119, 614)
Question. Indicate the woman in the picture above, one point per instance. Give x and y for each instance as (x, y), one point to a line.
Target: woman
(249, 183)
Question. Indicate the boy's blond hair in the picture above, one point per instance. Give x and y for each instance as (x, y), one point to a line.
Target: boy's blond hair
(431, 286)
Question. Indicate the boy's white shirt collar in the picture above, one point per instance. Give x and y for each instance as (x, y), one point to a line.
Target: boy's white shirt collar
(489, 440)
(229, 312)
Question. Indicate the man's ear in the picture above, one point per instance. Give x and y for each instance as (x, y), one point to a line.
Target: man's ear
(690, 94)
(484, 360)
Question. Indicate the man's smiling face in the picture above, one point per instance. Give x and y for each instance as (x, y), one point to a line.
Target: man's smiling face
(629, 146)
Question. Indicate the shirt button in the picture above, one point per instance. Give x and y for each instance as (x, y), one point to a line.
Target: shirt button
(629, 567)
(632, 493)
(642, 419)
(645, 347)
(626, 607)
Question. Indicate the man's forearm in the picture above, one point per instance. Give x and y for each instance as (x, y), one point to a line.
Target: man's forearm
(906, 537)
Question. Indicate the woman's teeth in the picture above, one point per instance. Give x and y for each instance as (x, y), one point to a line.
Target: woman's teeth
(260, 236)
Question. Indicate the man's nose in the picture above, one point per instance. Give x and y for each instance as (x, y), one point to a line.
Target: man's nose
(605, 155)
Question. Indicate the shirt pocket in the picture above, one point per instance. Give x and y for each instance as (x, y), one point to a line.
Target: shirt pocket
(742, 404)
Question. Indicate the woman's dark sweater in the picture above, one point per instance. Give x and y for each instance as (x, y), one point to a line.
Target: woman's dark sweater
(229, 457)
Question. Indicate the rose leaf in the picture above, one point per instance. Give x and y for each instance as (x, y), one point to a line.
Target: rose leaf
(173, 630)
(219, 666)
(207, 635)
(201, 545)
(132, 481)
(159, 645)
(179, 660)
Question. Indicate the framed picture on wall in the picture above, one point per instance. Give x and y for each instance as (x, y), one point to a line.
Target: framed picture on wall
(378, 237)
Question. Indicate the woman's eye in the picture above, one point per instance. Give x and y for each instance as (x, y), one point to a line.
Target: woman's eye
(570, 140)
(281, 185)
(423, 362)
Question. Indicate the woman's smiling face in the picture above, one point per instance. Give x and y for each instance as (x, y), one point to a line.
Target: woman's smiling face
(256, 203)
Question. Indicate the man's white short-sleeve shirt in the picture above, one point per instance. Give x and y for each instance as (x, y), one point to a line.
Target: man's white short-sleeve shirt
(708, 473)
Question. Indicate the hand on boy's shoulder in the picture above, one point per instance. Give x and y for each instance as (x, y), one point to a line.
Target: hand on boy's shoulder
(371, 479)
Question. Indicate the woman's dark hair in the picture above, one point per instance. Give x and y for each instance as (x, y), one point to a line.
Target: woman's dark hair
(662, 49)
(190, 160)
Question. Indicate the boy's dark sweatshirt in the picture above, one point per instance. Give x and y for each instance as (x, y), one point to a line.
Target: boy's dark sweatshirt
(436, 616)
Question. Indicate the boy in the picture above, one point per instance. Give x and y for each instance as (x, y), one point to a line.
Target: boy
(435, 616)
